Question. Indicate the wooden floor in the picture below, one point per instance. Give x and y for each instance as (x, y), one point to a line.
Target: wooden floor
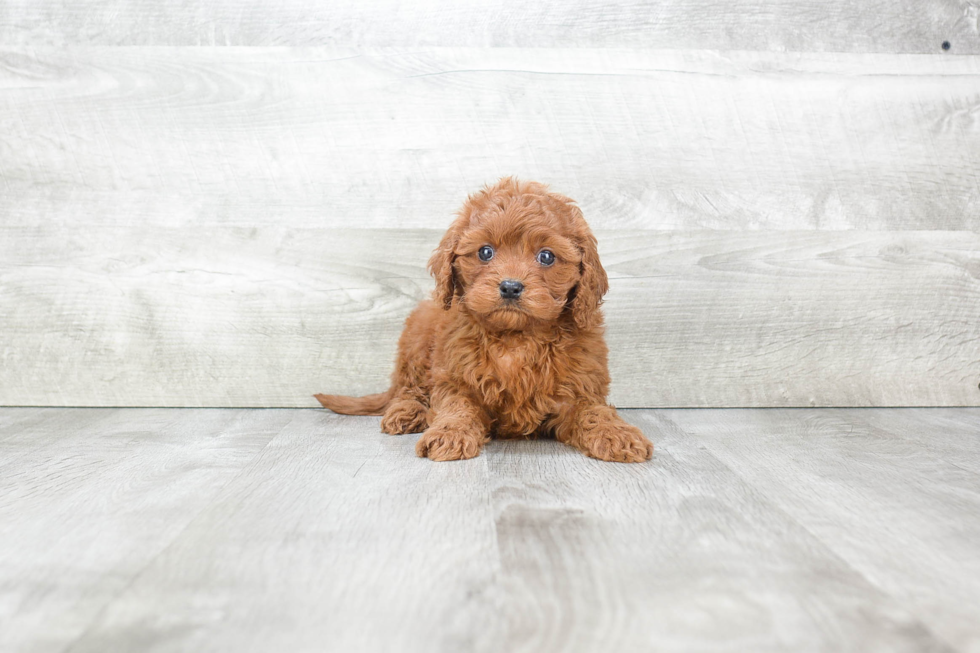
(299, 530)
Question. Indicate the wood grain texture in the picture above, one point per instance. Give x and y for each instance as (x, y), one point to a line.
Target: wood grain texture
(89, 497)
(397, 138)
(679, 554)
(224, 316)
(957, 444)
(175, 219)
(851, 484)
(798, 25)
(335, 537)
(23, 416)
(224, 530)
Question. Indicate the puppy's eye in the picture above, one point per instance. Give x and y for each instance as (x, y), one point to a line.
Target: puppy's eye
(485, 253)
(546, 257)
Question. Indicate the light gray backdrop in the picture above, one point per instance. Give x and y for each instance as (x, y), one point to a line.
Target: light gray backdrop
(216, 203)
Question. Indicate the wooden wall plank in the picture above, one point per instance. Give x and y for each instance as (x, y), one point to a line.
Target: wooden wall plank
(154, 200)
(230, 316)
(780, 25)
(397, 138)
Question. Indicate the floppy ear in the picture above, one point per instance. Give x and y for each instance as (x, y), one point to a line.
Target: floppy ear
(441, 264)
(594, 282)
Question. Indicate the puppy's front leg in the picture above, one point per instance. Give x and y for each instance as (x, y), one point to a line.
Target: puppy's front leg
(458, 430)
(596, 430)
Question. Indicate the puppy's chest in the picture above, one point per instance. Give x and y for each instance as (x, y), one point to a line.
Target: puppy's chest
(519, 385)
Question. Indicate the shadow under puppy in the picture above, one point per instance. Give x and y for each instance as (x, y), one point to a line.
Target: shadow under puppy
(511, 345)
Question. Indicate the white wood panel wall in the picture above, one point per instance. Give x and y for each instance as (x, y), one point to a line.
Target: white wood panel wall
(243, 226)
(890, 26)
(648, 140)
(256, 316)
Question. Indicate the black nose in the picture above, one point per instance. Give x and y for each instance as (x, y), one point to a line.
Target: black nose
(510, 289)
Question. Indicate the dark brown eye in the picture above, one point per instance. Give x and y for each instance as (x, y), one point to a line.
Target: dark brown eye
(546, 257)
(485, 253)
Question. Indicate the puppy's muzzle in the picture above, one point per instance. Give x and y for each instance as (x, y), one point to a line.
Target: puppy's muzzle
(511, 289)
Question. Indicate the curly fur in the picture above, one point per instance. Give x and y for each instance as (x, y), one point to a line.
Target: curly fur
(471, 365)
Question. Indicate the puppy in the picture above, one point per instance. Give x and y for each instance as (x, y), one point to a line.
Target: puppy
(511, 345)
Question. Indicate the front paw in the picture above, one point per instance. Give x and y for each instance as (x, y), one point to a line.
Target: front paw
(616, 441)
(450, 441)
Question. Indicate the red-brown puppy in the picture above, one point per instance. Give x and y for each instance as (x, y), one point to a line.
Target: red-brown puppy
(511, 344)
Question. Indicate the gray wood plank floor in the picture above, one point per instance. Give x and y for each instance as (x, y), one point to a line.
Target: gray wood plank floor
(296, 530)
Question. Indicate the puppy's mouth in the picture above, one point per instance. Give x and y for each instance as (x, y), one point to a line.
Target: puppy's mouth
(507, 315)
(511, 310)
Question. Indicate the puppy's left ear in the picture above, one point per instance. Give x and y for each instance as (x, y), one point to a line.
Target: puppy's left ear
(593, 284)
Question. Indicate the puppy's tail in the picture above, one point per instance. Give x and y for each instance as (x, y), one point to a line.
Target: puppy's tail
(368, 405)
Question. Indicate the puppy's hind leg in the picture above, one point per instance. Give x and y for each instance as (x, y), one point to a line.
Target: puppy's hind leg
(405, 416)
(407, 412)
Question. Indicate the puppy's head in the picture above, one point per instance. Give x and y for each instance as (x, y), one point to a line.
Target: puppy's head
(518, 255)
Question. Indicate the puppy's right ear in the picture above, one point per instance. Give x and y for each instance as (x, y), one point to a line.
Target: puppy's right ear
(442, 264)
